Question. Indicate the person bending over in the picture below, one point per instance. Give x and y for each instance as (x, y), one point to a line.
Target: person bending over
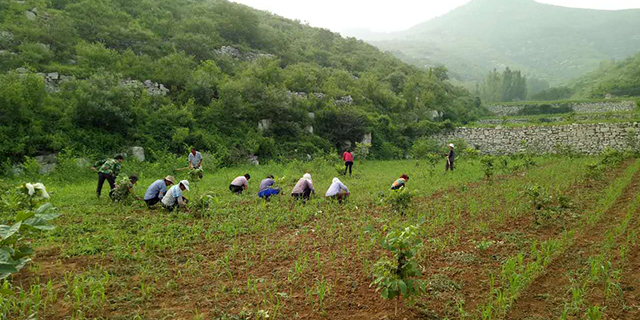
(267, 189)
(107, 170)
(337, 191)
(174, 198)
(157, 190)
(400, 183)
(239, 184)
(303, 188)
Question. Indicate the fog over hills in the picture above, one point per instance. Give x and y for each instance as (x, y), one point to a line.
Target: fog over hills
(552, 42)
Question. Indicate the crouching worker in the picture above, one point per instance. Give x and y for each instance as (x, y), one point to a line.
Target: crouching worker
(239, 184)
(303, 188)
(266, 188)
(174, 197)
(123, 189)
(400, 183)
(157, 190)
(337, 191)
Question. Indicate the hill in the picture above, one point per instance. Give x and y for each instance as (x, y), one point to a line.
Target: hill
(614, 78)
(100, 75)
(546, 41)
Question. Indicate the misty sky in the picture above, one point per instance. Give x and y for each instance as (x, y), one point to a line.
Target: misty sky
(386, 15)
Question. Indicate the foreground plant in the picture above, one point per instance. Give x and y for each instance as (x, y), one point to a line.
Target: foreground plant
(20, 222)
(397, 278)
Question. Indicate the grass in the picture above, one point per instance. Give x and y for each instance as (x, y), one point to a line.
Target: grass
(242, 258)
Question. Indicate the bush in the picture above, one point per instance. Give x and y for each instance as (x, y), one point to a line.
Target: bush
(423, 147)
(399, 277)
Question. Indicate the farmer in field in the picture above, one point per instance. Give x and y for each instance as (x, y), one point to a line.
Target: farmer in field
(266, 188)
(195, 159)
(337, 191)
(157, 190)
(123, 189)
(451, 156)
(239, 184)
(107, 170)
(348, 161)
(174, 197)
(400, 183)
(303, 188)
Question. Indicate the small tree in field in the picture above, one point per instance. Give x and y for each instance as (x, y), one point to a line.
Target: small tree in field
(397, 278)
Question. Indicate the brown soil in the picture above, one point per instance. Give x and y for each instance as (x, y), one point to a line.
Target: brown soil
(541, 301)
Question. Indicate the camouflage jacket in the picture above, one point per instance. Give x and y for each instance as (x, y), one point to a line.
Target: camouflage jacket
(109, 166)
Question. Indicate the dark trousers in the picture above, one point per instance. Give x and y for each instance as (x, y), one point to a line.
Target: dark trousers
(236, 189)
(449, 166)
(101, 178)
(152, 201)
(340, 197)
(305, 195)
(347, 166)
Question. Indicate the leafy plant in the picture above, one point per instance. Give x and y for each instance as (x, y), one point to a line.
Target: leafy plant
(399, 199)
(16, 230)
(488, 166)
(196, 174)
(398, 277)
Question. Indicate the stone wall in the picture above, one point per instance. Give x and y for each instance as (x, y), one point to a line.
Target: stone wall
(585, 138)
(560, 118)
(581, 107)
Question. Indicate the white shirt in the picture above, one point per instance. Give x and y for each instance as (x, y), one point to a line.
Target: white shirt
(239, 181)
(174, 194)
(195, 160)
(336, 187)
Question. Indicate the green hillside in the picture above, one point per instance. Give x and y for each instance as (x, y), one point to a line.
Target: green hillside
(99, 75)
(547, 41)
(615, 78)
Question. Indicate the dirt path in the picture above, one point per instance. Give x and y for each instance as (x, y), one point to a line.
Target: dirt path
(541, 299)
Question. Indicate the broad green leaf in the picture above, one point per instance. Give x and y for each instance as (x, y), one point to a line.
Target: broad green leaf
(385, 293)
(48, 216)
(23, 252)
(44, 208)
(5, 256)
(8, 268)
(402, 286)
(39, 223)
(24, 215)
(6, 231)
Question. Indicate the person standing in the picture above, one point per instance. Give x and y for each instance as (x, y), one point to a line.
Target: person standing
(337, 191)
(451, 157)
(239, 184)
(266, 189)
(303, 188)
(107, 170)
(400, 183)
(195, 159)
(174, 198)
(157, 190)
(347, 156)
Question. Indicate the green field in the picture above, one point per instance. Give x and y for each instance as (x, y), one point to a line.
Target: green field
(549, 238)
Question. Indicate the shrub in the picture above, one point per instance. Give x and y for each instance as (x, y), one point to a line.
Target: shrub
(398, 277)
(488, 166)
(424, 147)
(24, 215)
(399, 199)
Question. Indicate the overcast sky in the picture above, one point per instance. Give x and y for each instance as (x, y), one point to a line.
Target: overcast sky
(390, 15)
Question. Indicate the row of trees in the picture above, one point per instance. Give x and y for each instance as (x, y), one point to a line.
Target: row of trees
(216, 100)
(503, 86)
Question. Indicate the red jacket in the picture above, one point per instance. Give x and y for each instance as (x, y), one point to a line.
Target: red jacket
(347, 156)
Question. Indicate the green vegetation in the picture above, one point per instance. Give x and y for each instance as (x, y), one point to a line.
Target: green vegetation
(616, 78)
(503, 87)
(216, 96)
(544, 41)
(474, 249)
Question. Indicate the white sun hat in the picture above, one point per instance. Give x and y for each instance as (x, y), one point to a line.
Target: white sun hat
(451, 145)
(185, 183)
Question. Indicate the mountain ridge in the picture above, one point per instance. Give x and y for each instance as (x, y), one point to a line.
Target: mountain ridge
(547, 41)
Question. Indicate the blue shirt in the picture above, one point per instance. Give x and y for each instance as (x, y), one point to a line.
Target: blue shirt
(156, 190)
